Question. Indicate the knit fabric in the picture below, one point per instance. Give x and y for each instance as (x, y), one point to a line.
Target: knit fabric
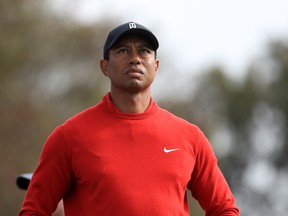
(104, 162)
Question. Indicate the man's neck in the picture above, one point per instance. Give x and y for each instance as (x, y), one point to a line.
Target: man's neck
(131, 102)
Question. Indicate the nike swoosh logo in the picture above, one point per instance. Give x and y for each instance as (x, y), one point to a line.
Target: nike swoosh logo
(170, 150)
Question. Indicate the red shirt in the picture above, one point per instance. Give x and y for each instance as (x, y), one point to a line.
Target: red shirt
(104, 162)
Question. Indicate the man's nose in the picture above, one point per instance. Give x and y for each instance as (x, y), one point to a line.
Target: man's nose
(134, 57)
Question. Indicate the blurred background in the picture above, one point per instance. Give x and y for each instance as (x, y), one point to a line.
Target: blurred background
(224, 67)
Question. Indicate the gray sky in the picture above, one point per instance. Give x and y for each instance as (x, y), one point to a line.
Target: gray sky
(197, 33)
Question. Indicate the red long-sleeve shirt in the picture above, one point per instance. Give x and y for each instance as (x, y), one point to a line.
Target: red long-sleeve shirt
(104, 162)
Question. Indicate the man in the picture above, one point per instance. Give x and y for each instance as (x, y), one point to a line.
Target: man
(127, 156)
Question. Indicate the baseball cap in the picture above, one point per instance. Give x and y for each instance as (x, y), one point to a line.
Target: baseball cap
(23, 180)
(128, 28)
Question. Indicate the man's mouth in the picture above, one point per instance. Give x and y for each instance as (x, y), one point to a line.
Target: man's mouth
(134, 71)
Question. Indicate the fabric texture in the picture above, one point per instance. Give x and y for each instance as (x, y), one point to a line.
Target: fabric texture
(104, 162)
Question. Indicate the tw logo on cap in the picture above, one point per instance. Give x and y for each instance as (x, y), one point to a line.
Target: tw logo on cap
(132, 25)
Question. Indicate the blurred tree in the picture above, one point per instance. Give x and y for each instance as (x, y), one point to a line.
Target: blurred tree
(276, 93)
(262, 184)
(49, 71)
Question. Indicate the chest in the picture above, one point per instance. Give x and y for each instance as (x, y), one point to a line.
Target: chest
(133, 155)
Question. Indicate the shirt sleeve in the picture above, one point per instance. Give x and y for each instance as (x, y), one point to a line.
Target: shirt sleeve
(208, 184)
(51, 178)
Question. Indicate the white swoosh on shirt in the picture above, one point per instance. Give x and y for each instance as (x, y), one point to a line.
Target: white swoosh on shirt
(170, 150)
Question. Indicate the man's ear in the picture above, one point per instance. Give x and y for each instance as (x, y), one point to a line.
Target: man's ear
(156, 66)
(104, 67)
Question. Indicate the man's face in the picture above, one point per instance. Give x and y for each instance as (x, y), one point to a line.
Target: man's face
(132, 64)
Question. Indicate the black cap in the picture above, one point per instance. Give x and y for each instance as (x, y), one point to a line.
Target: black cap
(23, 180)
(128, 28)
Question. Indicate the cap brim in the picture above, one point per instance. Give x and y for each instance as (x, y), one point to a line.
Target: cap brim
(142, 32)
(23, 180)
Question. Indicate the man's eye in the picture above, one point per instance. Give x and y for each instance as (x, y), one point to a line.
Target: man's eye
(144, 50)
(122, 50)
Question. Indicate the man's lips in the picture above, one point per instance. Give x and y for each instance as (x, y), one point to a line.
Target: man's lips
(134, 71)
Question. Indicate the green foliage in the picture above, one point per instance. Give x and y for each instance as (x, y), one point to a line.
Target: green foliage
(276, 94)
(49, 72)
